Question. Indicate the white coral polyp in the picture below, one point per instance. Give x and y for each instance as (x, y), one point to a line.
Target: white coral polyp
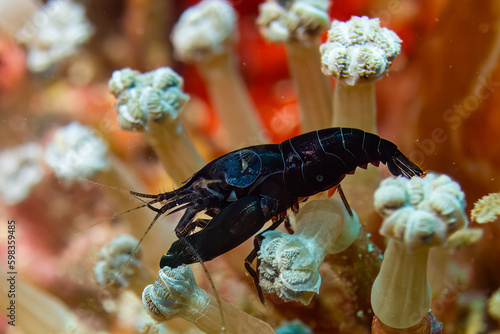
(295, 19)
(113, 257)
(289, 266)
(149, 97)
(54, 32)
(175, 294)
(20, 171)
(420, 212)
(76, 152)
(204, 30)
(359, 50)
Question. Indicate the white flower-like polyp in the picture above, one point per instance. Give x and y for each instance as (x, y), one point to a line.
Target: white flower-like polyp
(280, 21)
(153, 96)
(420, 212)
(175, 294)
(20, 170)
(204, 30)
(289, 263)
(289, 266)
(359, 50)
(54, 32)
(486, 209)
(112, 259)
(76, 152)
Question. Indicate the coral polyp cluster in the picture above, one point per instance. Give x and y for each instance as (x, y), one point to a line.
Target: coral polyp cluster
(359, 50)
(105, 105)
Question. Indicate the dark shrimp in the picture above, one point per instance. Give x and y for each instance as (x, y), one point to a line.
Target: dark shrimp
(244, 189)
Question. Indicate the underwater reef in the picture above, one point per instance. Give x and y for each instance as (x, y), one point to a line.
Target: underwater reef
(106, 104)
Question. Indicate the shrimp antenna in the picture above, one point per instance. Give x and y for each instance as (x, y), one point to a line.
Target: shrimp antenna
(113, 217)
(212, 285)
(134, 251)
(100, 185)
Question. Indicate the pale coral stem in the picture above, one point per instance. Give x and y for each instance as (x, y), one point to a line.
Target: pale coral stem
(231, 100)
(298, 24)
(175, 150)
(419, 213)
(401, 294)
(204, 36)
(36, 311)
(312, 87)
(237, 321)
(356, 106)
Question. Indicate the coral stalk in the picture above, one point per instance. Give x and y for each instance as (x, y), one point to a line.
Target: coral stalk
(299, 24)
(356, 106)
(312, 87)
(418, 213)
(178, 152)
(358, 52)
(233, 104)
(204, 36)
(175, 294)
(401, 294)
(37, 311)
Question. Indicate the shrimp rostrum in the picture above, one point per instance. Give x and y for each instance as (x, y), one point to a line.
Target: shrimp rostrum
(242, 190)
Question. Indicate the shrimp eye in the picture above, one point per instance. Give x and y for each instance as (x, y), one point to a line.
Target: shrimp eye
(319, 178)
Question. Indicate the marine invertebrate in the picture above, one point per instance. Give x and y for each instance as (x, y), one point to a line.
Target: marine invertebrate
(117, 257)
(132, 33)
(151, 103)
(20, 171)
(75, 152)
(204, 36)
(175, 294)
(52, 31)
(486, 209)
(289, 263)
(418, 213)
(298, 24)
(494, 306)
(357, 53)
(244, 189)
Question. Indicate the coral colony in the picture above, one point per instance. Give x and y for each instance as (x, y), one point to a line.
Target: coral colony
(97, 103)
